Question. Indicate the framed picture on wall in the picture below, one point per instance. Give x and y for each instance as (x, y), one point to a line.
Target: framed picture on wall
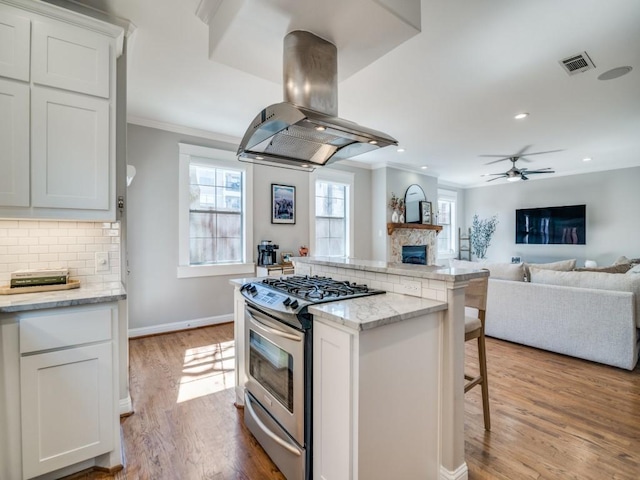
(425, 213)
(283, 204)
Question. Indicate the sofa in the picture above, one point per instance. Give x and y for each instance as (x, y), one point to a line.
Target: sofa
(594, 315)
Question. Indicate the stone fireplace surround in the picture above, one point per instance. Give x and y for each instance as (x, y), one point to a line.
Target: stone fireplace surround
(412, 234)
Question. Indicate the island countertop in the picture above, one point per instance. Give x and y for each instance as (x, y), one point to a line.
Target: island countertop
(376, 310)
(86, 294)
(431, 272)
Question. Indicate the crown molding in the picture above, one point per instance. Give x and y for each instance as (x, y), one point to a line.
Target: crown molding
(195, 132)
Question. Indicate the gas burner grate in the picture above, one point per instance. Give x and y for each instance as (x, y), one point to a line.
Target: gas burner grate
(316, 288)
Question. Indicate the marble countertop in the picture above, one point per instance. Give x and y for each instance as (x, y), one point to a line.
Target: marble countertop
(86, 294)
(377, 310)
(433, 272)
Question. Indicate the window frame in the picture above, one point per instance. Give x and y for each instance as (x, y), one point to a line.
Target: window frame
(218, 159)
(450, 196)
(334, 176)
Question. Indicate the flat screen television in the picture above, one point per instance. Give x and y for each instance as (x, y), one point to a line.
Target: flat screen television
(551, 225)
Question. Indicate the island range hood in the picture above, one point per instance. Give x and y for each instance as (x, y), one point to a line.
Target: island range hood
(304, 131)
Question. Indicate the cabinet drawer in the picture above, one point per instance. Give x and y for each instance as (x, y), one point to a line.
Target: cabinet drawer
(71, 58)
(63, 328)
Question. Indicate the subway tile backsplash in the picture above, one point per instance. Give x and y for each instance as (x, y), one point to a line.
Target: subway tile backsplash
(49, 244)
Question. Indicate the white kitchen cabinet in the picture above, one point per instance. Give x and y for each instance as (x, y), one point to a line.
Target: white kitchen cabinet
(69, 62)
(376, 400)
(70, 58)
(15, 31)
(14, 143)
(70, 157)
(68, 388)
(332, 403)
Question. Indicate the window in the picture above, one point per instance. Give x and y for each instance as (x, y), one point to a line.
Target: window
(214, 222)
(332, 210)
(447, 218)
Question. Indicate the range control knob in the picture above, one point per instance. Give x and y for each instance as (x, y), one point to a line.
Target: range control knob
(294, 304)
(286, 301)
(253, 290)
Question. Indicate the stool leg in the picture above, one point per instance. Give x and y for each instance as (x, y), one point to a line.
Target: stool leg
(482, 358)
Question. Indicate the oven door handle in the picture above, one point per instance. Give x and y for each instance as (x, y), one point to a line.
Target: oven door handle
(268, 432)
(274, 331)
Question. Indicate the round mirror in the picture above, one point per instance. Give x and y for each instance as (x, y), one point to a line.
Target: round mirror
(412, 198)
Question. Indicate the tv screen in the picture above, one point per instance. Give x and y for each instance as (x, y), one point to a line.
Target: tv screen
(552, 225)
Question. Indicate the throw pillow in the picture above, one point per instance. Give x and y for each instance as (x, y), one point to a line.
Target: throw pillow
(616, 268)
(501, 271)
(562, 265)
(634, 271)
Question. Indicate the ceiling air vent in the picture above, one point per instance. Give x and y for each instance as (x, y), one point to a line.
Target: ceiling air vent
(577, 63)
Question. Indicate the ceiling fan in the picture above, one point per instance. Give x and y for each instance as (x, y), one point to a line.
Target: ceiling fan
(514, 173)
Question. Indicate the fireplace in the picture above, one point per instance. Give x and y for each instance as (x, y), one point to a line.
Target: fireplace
(416, 254)
(418, 236)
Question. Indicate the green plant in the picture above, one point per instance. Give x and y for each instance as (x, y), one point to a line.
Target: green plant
(481, 233)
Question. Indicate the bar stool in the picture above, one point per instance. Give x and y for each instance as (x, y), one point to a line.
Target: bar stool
(476, 297)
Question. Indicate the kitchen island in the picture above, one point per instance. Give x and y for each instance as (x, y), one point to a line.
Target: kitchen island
(388, 372)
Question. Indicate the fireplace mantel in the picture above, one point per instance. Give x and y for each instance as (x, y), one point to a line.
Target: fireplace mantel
(418, 226)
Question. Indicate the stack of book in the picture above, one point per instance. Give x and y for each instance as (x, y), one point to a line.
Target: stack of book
(36, 278)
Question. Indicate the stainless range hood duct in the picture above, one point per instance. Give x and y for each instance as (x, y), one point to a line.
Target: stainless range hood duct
(304, 132)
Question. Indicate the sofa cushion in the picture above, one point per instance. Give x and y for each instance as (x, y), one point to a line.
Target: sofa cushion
(593, 280)
(502, 271)
(615, 268)
(562, 265)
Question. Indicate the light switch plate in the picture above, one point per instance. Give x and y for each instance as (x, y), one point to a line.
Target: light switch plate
(102, 262)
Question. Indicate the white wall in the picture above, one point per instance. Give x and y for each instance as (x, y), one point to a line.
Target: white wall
(156, 296)
(612, 199)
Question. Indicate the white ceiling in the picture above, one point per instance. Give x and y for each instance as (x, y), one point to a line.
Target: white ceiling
(447, 93)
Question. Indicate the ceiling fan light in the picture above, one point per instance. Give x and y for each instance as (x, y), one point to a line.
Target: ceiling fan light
(520, 116)
(513, 179)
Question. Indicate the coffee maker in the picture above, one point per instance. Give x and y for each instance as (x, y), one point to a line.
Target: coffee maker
(267, 253)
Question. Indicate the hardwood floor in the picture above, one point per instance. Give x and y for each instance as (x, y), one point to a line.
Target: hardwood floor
(553, 417)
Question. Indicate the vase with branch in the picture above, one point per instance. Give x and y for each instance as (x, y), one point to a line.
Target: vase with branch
(481, 233)
(394, 204)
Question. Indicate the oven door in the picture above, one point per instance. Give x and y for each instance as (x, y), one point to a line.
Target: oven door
(274, 360)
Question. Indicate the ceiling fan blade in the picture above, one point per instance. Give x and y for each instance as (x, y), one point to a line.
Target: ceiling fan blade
(540, 153)
(496, 161)
(492, 179)
(544, 170)
(523, 177)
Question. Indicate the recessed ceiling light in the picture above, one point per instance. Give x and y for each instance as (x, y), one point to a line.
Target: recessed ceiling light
(400, 150)
(522, 115)
(586, 159)
(258, 157)
(424, 167)
(304, 165)
(320, 128)
(615, 73)
(373, 142)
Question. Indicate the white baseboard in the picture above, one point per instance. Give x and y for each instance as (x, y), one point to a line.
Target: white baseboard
(175, 326)
(460, 473)
(126, 405)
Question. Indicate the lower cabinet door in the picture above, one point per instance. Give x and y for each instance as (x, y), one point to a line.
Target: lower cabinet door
(67, 407)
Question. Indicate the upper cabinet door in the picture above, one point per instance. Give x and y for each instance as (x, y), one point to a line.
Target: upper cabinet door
(70, 58)
(14, 143)
(14, 46)
(70, 150)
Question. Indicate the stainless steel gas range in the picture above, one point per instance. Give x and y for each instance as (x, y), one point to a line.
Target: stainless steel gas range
(278, 362)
